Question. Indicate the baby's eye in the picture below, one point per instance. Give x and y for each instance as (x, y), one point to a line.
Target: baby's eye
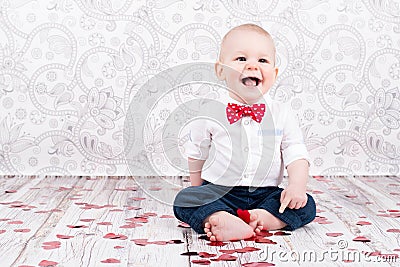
(263, 60)
(241, 59)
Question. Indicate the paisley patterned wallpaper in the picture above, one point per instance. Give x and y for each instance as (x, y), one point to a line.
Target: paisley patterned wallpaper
(69, 70)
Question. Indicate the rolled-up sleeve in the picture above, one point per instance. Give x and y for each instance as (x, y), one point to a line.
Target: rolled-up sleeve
(199, 143)
(292, 146)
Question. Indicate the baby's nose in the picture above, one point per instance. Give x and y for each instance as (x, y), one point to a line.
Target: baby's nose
(252, 66)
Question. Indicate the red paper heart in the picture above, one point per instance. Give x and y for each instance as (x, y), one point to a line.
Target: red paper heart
(282, 233)
(206, 255)
(244, 215)
(264, 233)
(316, 192)
(130, 225)
(22, 230)
(133, 208)
(227, 251)
(111, 260)
(51, 245)
(159, 242)
(201, 262)
(167, 217)
(138, 198)
(217, 243)
(138, 219)
(154, 188)
(325, 222)
(239, 250)
(114, 236)
(104, 223)
(393, 230)
(77, 226)
(225, 257)
(247, 249)
(183, 225)
(363, 223)
(149, 214)
(264, 241)
(47, 263)
(15, 222)
(64, 236)
(334, 234)
(140, 242)
(361, 239)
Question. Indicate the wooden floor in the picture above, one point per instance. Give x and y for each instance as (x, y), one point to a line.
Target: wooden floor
(125, 221)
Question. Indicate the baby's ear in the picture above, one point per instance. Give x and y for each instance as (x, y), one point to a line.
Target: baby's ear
(219, 70)
(276, 72)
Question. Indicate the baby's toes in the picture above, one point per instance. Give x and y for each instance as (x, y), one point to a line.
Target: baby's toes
(254, 220)
(253, 216)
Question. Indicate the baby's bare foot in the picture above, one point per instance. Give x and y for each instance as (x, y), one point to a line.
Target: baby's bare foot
(261, 219)
(255, 223)
(223, 226)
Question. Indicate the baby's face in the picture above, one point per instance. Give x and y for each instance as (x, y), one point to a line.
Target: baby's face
(247, 64)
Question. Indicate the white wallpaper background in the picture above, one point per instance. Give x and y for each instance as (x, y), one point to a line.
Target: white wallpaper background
(69, 69)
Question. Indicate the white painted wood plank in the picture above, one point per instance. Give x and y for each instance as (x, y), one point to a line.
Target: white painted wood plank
(89, 248)
(343, 200)
(159, 229)
(14, 244)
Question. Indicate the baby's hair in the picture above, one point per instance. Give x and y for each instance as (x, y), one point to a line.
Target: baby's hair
(250, 27)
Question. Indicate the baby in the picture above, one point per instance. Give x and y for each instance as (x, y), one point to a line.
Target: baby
(253, 138)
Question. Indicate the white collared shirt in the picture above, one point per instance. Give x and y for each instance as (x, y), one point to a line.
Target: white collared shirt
(245, 153)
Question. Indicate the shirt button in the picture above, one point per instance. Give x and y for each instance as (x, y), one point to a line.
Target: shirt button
(246, 122)
(246, 149)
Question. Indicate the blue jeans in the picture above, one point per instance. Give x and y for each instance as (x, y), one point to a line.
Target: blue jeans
(195, 203)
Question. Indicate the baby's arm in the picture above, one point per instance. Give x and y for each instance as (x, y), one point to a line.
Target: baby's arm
(294, 196)
(195, 167)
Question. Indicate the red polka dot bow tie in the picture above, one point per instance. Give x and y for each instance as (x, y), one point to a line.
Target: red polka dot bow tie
(235, 112)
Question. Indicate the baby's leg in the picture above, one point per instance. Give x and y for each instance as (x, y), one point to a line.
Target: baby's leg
(195, 204)
(223, 226)
(268, 213)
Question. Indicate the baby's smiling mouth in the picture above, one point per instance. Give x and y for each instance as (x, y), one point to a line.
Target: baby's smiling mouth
(251, 81)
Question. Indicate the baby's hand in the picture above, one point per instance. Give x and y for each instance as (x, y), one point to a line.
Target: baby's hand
(293, 197)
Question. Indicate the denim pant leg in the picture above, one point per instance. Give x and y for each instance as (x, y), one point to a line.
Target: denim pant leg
(294, 218)
(195, 203)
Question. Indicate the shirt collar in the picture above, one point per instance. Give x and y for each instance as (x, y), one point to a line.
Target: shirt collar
(266, 99)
